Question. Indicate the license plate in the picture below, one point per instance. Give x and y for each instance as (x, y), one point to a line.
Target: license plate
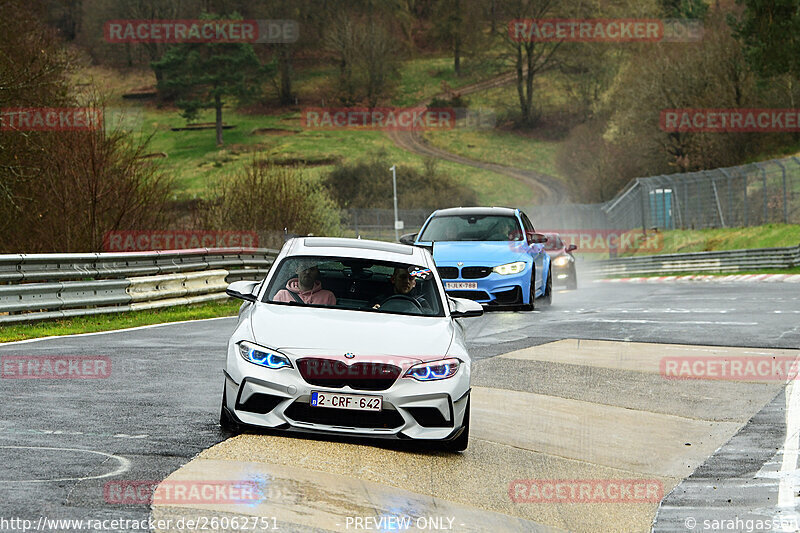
(354, 402)
(452, 285)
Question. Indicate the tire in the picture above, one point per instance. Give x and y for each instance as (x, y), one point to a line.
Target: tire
(460, 443)
(547, 297)
(532, 294)
(226, 421)
(572, 281)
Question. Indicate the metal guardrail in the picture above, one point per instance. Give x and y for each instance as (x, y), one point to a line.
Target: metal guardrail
(724, 261)
(45, 286)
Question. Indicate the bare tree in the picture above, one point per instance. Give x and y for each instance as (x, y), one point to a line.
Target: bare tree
(367, 56)
(711, 74)
(529, 57)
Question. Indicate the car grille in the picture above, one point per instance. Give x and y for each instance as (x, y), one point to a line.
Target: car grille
(475, 272)
(302, 412)
(358, 376)
(471, 295)
(448, 272)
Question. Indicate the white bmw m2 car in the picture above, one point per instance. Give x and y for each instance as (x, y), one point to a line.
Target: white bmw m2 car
(350, 336)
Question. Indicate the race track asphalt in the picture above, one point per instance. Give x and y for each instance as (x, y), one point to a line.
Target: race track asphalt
(61, 441)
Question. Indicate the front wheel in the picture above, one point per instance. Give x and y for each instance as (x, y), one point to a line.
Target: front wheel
(572, 281)
(547, 297)
(532, 294)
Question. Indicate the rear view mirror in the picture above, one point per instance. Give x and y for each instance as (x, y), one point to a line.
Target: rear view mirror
(571, 247)
(420, 273)
(464, 308)
(243, 290)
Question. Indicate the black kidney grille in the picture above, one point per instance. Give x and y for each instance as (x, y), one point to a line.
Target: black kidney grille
(448, 272)
(358, 376)
(475, 272)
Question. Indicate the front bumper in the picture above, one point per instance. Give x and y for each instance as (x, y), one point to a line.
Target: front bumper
(280, 399)
(494, 289)
(561, 273)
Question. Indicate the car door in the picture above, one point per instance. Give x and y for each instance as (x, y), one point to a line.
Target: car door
(536, 250)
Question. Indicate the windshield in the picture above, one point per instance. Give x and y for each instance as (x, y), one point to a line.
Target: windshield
(357, 284)
(554, 242)
(472, 228)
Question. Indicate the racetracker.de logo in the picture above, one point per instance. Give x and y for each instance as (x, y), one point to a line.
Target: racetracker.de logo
(597, 241)
(140, 240)
(740, 368)
(50, 119)
(378, 118)
(604, 30)
(730, 120)
(182, 492)
(201, 31)
(586, 491)
(55, 366)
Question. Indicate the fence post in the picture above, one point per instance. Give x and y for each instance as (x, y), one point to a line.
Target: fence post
(764, 185)
(716, 198)
(664, 203)
(675, 197)
(688, 216)
(785, 207)
(730, 193)
(746, 201)
(644, 217)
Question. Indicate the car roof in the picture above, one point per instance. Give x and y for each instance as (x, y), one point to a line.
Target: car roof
(456, 211)
(358, 248)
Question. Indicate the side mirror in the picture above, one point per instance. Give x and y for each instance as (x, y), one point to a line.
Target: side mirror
(571, 247)
(242, 290)
(537, 238)
(408, 238)
(463, 308)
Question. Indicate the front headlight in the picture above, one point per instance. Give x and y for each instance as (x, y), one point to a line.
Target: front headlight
(261, 356)
(434, 370)
(561, 261)
(510, 268)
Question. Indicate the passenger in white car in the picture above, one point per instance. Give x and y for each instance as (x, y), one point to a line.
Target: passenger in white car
(306, 287)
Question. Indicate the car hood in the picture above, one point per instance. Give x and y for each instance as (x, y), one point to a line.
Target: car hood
(299, 330)
(491, 253)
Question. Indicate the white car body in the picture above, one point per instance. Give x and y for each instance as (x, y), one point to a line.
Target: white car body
(298, 331)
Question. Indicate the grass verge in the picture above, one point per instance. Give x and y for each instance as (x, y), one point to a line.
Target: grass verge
(685, 241)
(792, 270)
(114, 321)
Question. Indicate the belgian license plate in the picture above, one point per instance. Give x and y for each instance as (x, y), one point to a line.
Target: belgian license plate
(355, 402)
(453, 285)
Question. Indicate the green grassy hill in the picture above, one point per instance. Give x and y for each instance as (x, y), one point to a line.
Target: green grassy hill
(196, 163)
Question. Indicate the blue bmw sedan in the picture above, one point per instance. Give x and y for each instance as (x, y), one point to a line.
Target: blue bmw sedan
(491, 255)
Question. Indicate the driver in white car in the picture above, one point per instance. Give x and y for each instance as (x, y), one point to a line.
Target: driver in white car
(403, 283)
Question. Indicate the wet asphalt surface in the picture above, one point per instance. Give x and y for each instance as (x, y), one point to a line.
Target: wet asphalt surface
(61, 441)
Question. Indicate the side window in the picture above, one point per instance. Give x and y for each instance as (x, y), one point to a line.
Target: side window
(526, 223)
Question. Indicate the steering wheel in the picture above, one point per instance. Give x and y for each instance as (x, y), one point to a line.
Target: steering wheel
(402, 298)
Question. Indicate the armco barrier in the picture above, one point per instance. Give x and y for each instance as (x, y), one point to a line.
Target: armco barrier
(60, 267)
(46, 286)
(724, 261)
